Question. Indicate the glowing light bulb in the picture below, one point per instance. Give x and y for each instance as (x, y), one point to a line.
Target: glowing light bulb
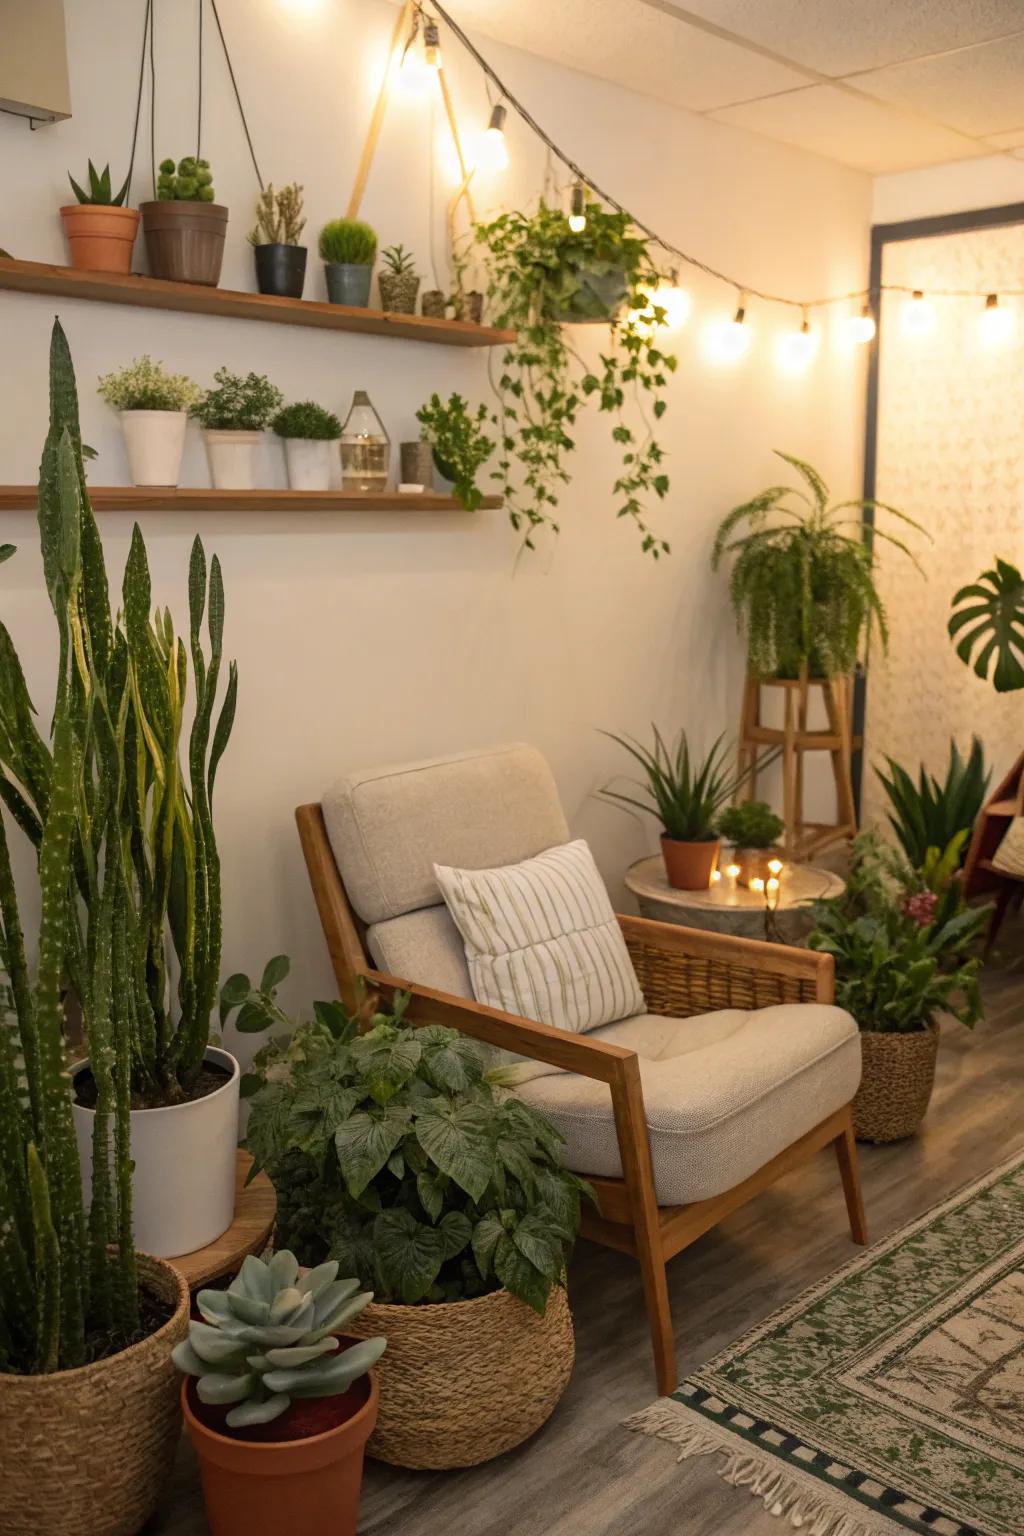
(861, 328)
(431, 45)
(578, 209)
(728, 340)
(775, 867)
(716, 875)
(492, 153)
(732, 871)
(917, 318)
(995, 323)
(415, 79)
(798, 347)
(757, 884)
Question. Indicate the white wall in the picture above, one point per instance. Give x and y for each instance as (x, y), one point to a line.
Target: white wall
(375, 637)
(984, 183)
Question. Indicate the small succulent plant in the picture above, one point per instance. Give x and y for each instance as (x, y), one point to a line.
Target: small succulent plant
(99, 192)
(399, 261)
(269, 1338)
(190, 181)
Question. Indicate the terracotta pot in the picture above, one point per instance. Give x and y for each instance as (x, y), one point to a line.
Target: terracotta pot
(268, 1487)
(100, 239)
(111, 1428)
(185, 241)
(689, 866)
(896, 1085)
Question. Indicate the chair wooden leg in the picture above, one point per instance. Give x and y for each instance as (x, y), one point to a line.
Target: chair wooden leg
(849, 1172)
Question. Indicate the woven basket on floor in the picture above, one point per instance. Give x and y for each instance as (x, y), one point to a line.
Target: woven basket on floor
(466, 1380)
(89, 1450)
(896, 1085)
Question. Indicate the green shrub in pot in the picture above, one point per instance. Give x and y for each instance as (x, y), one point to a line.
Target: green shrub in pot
(348, 248)
(308, 432)
(751, 824)
(153, 405)
(233, 414)
(459, 443)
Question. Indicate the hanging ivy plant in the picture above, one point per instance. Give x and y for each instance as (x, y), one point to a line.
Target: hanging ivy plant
(544, 276)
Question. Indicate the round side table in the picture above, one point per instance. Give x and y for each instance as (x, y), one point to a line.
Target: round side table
(734, 910)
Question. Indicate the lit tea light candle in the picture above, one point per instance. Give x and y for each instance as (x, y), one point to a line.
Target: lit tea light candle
(772, 892)
(732, 875)
(716, 875)
(757, 884)
(775, 867)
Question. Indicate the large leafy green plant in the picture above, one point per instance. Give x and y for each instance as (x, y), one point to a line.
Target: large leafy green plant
(543, 275)
(930, 815)
(803, 588)
(685, 793)
(393, 1152)
(459, 443)
(988, 618)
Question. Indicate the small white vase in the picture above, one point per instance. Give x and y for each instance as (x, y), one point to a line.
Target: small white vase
(309, 462)
(155, 441)
(234, 459)
(183, 1185)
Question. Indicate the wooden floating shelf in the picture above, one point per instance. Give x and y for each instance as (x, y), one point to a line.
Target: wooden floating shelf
(195, 299)
(197, 498)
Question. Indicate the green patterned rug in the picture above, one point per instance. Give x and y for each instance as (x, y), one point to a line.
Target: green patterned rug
(888, 1398)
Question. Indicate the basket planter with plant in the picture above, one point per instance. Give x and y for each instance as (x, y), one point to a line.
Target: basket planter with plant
(99, 229)
(280, 259)
(184, 227)
(348, 249)
(542, 276)
(310, 436)
(685, 794)
(445, 1195)
(904, 954)
(153, 406)
(398, 280)
(233, 416)
(753, 829)
(87, 1327)
(460, 445)
(278, 1402)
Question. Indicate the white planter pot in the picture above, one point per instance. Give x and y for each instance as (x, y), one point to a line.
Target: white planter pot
(235, 459)
(183, 1187)
(155, 441)
(309, 463)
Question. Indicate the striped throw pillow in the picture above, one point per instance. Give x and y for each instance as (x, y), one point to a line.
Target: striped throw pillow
(542, 940)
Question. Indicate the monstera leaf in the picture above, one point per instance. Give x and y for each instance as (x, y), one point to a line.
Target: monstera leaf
(988, 617)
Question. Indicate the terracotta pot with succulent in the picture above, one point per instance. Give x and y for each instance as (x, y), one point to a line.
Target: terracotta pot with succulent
(99, 229)
(278, 1402)
(460, 445)
(310, 436)
(87, 1326)
(445, 1196)
(903, 945)
(153, 406)
(686, 795)
(348, 249)
(280, 259)
(233, 416)
(754, 830)
(185, 228)
(543, 274)
(398, 280)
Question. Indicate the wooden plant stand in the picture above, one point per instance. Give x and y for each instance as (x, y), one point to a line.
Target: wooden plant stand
(255, 1211)
(802, 839)
(980, 876)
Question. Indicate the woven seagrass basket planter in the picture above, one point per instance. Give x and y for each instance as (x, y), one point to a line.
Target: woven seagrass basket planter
(466, 1380)
(90, 1450)
(896, 1085)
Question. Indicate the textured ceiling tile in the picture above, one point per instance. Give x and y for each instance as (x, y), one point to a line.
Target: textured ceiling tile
(837, 37)
(976, 91)
(858, 132)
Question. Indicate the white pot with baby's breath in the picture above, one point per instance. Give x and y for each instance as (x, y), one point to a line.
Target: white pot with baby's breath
(153, 405)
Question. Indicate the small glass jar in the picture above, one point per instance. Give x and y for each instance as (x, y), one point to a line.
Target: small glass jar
(365, 448)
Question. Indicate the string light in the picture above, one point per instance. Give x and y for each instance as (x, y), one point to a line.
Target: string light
(798, 347)
(493, 152)
(431, 44)
(775, 867)
(917, 315)
(729, 339)
(578, 209)
(861, 328)
(995, 323)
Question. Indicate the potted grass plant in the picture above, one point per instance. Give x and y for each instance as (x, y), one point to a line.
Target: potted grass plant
(444, 1195)
(99, 229)
(310, 435)
(86, 1324)
(753, 829)
(280, 259)
(459, 444)
(348, 248)
(399, 281)
(929, 816)
(153, 406)
(185, 227)
(278, 1403)
(686, 794)
(233, 416)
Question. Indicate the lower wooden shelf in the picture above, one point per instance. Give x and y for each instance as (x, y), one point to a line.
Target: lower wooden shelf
(193, 498)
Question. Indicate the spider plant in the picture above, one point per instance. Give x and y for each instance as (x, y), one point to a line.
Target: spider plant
(804, 588)
(685, 792)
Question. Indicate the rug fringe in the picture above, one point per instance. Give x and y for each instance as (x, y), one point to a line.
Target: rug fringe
(783, 1490)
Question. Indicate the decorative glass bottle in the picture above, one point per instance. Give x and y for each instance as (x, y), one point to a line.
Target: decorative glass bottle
(365, 447)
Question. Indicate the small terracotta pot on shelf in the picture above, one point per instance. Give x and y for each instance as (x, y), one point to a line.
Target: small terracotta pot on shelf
(689, 866)
(100, 237)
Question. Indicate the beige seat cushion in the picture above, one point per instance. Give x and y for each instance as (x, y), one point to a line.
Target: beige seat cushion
(724, 1093)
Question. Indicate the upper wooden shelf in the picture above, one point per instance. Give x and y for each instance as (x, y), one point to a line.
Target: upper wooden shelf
(193, 498)
(195, 299)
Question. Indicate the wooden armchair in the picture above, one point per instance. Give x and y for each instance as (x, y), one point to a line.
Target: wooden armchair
(682, 973)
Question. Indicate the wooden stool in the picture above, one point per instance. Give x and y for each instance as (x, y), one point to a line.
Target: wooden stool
(802, 838)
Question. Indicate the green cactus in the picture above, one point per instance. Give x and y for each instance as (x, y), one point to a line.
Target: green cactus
(189, 181)
(269, 1338)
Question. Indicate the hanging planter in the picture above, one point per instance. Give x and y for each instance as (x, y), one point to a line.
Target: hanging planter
(280, 259)
(185, 229)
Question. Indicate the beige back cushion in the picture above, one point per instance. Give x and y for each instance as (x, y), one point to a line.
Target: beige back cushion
(425, 947)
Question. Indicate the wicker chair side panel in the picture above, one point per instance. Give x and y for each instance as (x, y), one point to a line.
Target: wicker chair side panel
(682, 985)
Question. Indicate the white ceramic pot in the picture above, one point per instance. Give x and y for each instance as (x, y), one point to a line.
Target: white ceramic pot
(234, 459)
(309, 463)
(183, 1187)
(155, 441)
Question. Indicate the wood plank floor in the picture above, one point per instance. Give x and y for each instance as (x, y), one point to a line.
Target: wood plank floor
(583, 1475)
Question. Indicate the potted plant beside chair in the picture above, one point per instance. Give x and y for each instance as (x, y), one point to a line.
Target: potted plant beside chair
(100, 230)
(185, 227)
(153, 406)
(309, 434)
(233, 416)
(280, 259)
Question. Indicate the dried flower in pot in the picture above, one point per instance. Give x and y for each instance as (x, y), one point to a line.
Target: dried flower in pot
(309, 434)
(348, 248)
(280, 259)
(754, 830)
(100, 230)
(153, 406)
(399, 281)
(185, 228)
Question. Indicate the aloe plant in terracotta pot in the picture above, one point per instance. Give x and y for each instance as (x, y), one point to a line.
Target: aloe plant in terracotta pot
(100, 230)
